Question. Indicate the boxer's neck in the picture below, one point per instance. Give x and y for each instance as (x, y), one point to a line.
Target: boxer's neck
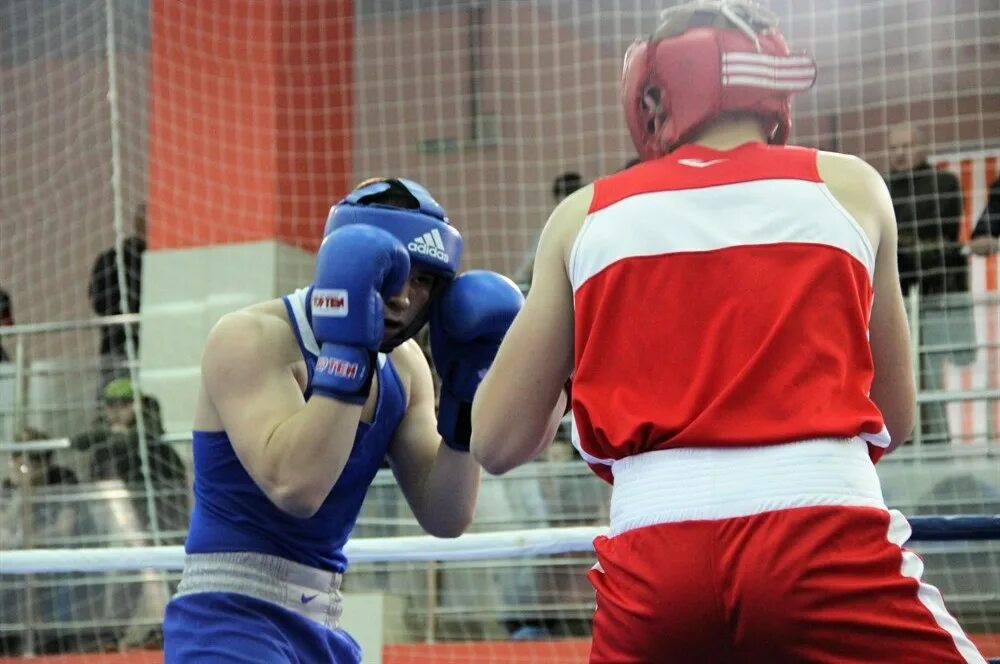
(729, 131)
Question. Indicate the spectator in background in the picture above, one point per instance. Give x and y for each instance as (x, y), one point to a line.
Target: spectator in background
(54, 522)
(114, 443)
(986, 235)
(115, 451)
(928, 206)
(115, 454)
(564, 185)
(35, 470)
(105, 294)
(6, 318)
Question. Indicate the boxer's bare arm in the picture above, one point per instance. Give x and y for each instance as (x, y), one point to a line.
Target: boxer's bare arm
(862, 192)
(440, 484)
(519, 404)
(293, 450)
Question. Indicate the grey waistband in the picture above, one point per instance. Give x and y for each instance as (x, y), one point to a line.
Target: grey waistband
(312, 592)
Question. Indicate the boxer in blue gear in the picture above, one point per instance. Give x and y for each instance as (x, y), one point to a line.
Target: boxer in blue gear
(302, 398)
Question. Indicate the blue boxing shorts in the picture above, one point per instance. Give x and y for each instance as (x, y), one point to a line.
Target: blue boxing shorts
(250, 607)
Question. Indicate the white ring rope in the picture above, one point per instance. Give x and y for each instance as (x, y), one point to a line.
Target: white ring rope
(475, 546)
(960, 532)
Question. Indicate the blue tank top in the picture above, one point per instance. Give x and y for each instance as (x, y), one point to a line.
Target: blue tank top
(231, 513)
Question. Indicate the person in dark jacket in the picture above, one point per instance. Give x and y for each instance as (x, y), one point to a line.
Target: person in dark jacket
(105, 291)
(113, 446)
(932, 261)
(928, 205)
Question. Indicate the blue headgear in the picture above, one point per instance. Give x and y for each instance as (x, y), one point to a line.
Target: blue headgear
(423, 229)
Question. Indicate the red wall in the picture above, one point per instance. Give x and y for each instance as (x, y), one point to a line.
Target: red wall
(250, 112)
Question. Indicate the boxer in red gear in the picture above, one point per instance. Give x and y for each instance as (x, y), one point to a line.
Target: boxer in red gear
(730, 313)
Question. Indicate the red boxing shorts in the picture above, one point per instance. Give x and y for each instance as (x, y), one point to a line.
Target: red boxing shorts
(783, 553)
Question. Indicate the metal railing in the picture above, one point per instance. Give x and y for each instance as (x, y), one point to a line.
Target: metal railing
(929, 315)
(22, 371)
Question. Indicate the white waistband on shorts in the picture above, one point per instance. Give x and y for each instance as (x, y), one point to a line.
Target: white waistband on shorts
(311, 592)
(708, 483)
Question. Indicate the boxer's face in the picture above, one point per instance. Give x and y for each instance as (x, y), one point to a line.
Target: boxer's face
(402, 308)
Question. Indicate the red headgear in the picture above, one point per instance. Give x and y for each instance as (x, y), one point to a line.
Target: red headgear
(704, 59)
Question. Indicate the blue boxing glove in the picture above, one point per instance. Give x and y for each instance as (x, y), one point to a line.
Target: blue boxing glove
(468, 322)
(356, 267)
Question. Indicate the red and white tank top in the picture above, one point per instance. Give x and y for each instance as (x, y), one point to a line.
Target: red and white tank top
(721, 299)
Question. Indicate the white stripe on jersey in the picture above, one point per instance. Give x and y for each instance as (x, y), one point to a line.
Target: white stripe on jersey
(718, 217)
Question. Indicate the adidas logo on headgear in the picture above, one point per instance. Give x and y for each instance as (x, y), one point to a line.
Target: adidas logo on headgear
(429, 244)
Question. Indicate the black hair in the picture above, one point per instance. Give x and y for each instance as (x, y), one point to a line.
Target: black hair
(397, 195)
(566, 183)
